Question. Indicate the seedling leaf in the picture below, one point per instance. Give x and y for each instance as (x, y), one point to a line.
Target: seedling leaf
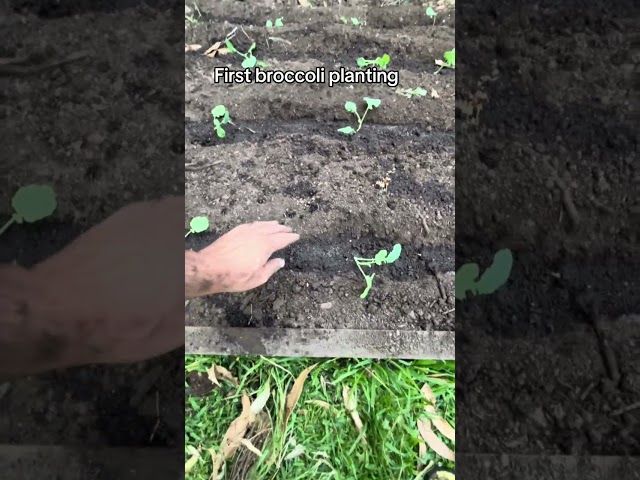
(394, 254)
(369, 281)
(251, 48)
(497, 274)
(220, 131)
(466, 279)
(249, 62)
(350, 107)
(450, 57)
(199, 224)
(262, 64)
(355, 21)
(279, 22)
(431, 12)
(372, 102)
(380, 257)
(361, 62)
(218, 111)
(347, 130)
(269, 24)
(33, 202)
(383, 61)
(420, 91)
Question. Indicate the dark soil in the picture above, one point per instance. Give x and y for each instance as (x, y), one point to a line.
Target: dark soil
(546, 361)
(284, 160)
(97, 130)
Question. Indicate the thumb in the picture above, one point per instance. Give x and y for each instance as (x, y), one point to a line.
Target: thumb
(265, 273)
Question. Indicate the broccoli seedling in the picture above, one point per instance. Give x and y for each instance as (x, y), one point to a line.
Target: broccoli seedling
(380, 62)
(278, 23)
(197, 225)
(412, 92)
(493, 277)
(381, 258)
(431, 13)
(220, 116)
(30, 204)
(250, 60)
(354, 21)
(449, 60)
(351, 107)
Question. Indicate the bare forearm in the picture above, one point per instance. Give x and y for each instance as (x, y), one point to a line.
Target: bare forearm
(35, 333)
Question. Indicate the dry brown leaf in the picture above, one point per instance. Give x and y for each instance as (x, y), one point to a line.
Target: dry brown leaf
(351, 406)
(437, 445)
(192, 48)
(249, 446)
(434, 94)
(440, 423)
(422, 451)
(223, 51)
(193, 460)
(211, 373)
(217, 459)
(222, 372)
(212, 48)
(296, 391)
(305, 3)
(237, 429)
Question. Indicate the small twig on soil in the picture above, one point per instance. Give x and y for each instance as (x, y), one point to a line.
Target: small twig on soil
(587, 391)
(245, 34)
(607, 352)
(449, 311)
(628, 408)
(424, 224)
(155, 428)
(278, 39)
(189, 167)
(21, 66)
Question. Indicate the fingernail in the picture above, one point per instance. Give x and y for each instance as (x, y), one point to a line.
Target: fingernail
(281, 262)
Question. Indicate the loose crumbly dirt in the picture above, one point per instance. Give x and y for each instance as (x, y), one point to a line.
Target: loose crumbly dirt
(284, 160)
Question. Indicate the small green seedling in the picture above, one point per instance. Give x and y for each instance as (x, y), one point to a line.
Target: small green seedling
(354, 21)
(278, 23)
(351, 107)
(431, 13)
(491, 280)
(198, 225)
(250, 60)
(381, 258)
(412, 92)
(449, 60)
(220, 116)
(380, 62)
(30, 204)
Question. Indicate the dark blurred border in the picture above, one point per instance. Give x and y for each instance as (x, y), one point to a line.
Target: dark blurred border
(106, 129)
(548, 365)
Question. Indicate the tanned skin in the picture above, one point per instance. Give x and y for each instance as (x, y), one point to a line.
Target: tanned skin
(114, 295)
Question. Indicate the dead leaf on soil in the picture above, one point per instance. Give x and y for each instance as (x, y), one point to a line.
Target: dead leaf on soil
(192, 48)
(294, 394)
(249, 446)
(434, 93)
(193, 460)
(216, 49)
(237, 429)
(297, 451)
(440, 423)
(351, 405)
(305, 3)
(216, 372)
(437, 445)
(217, 459)
(422, 451)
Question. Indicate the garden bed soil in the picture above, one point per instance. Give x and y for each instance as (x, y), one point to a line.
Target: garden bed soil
(284, 160)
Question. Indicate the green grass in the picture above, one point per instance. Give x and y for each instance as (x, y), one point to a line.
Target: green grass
(389, 403)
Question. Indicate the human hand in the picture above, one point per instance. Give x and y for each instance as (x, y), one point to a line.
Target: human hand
(118, 287)
(239, 260)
